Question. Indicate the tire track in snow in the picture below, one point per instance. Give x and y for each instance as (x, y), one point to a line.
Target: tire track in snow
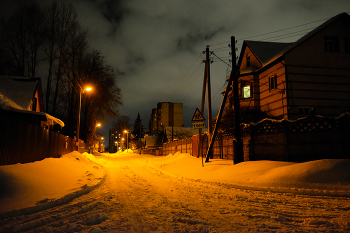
(137, 197)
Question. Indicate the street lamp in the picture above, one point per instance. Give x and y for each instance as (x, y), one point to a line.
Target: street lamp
(79, 110)
(127, 139)
(100, 143)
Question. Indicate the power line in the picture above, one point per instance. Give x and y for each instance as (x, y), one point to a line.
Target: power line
(285, 29)
(221, 59)
(190, 76)
(185, 73)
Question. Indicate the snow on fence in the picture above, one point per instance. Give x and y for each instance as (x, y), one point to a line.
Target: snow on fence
(309, 138)
(24, 142)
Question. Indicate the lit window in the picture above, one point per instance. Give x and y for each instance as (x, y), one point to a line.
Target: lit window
(331, 43)
(273, 82)
(247, 91)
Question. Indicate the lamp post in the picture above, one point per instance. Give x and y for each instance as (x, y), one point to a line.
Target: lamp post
(100, 143)
(95, 135)
(79, 110)
(127, 139)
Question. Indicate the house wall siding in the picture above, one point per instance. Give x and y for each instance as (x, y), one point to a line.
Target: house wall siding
(274, 102)
(318, 79)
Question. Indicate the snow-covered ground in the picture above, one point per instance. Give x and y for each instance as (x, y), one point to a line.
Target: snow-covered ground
(175, 193)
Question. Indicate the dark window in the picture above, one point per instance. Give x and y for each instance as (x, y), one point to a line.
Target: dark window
(248, 61)
(273, 82)
(331, 43)
(306, 111)
(35, 102)
(347, 44)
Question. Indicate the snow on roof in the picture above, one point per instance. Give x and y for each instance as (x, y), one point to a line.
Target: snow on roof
(8, 104)
(54, 119)
(19, 90)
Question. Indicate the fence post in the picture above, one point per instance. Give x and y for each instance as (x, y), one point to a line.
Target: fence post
(285, 140)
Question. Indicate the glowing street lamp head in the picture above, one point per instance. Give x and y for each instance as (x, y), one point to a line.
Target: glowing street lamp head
(98, 124)
(88, 89)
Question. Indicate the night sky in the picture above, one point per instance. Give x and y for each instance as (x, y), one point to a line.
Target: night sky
(155, 47)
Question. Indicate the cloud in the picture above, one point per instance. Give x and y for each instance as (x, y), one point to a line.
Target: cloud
(153, 44)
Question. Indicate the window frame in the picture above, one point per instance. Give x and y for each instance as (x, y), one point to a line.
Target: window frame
(248, 61)
(273, 82)
(247, 84)
(306, 111)
(331, 44)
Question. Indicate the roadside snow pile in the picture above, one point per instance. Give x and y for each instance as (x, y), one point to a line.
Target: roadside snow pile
(127, 151)
(48, 182)
(325, 177)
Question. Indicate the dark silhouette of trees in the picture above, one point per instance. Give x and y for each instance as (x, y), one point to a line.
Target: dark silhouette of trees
(21, 39)
(137, 131)
(52, 39)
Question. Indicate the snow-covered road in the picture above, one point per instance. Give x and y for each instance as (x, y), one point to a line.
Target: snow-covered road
(137, 196)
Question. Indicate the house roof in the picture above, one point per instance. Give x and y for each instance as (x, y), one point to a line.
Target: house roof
(16, 94)
(341, 16)
(267, 52)
(19, 91)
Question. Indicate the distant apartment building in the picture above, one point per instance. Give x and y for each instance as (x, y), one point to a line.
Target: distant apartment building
(114, 141)
(166, 115)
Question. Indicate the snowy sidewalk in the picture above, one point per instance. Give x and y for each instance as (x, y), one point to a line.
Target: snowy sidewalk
(46, 183)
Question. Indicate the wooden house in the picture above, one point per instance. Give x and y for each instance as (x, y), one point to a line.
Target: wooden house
(293, 80)
(21, 99)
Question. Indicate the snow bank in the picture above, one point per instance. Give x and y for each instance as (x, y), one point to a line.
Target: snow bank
(320, 177)
(46, 183)
(31, 187)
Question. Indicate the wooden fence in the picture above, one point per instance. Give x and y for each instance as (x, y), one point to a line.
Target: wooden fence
(305, 139)
(309, 138)
(23, 142)
(223, 147)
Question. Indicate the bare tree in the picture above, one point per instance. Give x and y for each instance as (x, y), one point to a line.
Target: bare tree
(22, 38)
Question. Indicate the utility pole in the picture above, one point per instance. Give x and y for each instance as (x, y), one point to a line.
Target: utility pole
(140, 141)
(233, 79)
(210, 120)
(238, 157)
(202, 111)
